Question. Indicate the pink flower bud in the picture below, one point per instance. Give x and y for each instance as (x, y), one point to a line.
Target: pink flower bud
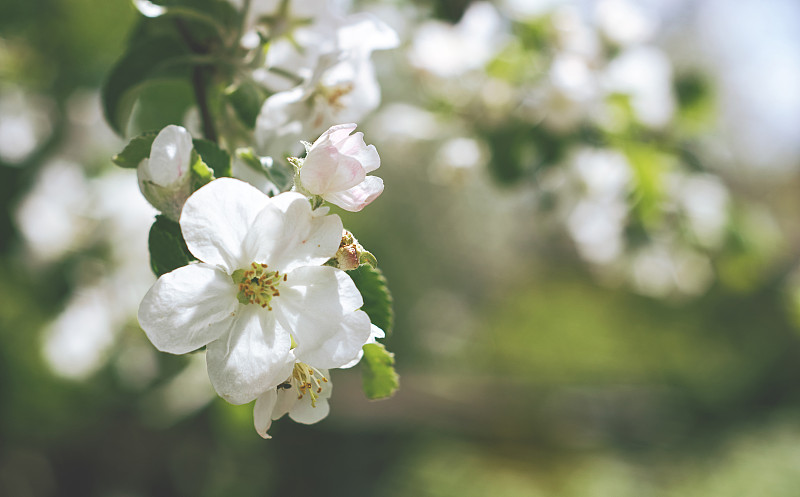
(336, 168)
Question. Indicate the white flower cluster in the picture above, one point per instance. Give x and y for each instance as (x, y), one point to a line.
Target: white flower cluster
(272, 316)
(268, 298)
(317, 70)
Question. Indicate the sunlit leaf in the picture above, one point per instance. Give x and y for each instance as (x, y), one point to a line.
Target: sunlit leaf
(379, 379)
(215, 157)
(136, 150)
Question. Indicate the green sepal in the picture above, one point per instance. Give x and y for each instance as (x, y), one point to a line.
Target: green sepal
(367, 258)
(378, 377)
(218, 159)
(168, 249)
(201, 173)
(377, 298)
(136, 150)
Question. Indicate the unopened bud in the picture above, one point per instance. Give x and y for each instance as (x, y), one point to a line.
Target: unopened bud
(349, 251)
(165, 178)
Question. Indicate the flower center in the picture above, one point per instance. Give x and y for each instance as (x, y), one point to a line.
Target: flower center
(307, 380)
(257, 285)
(332, 94)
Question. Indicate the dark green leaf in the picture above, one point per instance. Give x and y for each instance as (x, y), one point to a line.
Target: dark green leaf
(136, 150)
(379, 379)
(216, 158)
(377, 299)
(246, 101)
(168, 250)
(155, 57)
(159, 103)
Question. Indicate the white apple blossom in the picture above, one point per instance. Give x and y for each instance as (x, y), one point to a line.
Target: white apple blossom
(337, 83)
(165, 178)
(449, 51)
(336, 167)
(304, 395)
(259, 287)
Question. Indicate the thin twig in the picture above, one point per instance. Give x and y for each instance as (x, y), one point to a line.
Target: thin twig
(200, 74)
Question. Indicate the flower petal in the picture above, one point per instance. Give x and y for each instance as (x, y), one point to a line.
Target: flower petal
(359, 196)
(188, 308)
(355, 147)
(253, 358)
(367, 156)
(325, 169)
(286, 234)
(337, 133)
(170, 155)
(304, 412)
(341, 348)
(262, 412)
(287, 398)
(318, 305)
(216, 219)
(374, 334)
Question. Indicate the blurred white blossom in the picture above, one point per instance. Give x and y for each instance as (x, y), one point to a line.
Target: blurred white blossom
(450, 50)
(25, 123)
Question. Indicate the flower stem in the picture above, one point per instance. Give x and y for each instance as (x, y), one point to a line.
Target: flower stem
(200, 76)
(201, 96)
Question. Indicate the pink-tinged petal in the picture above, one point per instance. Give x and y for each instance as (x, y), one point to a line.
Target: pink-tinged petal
(304, 412)
(325, 169)
(253, 358)
(188, 308)
(359, 196)
(337, 133)
(216, 220)
(262, 412)
(368, 158)
(286, 234)
(352, 144)
(318, 305)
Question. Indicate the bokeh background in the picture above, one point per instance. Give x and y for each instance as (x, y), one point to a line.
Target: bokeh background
(590, 228)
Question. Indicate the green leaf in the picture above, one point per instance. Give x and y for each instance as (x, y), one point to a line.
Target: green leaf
(159, 103)
(155, 57)
(201, 173)
(135, 151)
(168, 250)
(246, 100)
(216, 158)
(377, 299)
(650, 169)
(379, 379)
(279, 173)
